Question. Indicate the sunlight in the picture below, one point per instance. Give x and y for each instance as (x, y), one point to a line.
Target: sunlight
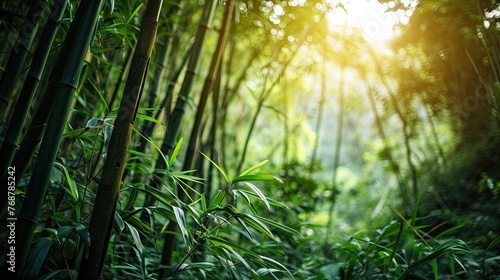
(367, 15)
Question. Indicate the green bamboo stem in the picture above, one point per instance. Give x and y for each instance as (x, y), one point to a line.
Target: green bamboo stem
(38, 124)
(175, 120)
(10, 143)
(207, 87)
(163, 53)
(37, 187)
(212, 138)
(107, 192)
(20, 52)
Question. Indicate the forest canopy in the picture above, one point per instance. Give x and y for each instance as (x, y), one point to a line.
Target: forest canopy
(302, 139)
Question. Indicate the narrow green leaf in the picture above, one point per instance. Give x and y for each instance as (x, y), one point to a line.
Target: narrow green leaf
(103, 50)
(147, 118)
(254, 177)
(258, 165)
(271, 201)
(219, 242)
(174, 153)
(37, 257)
(203, 202)
(218, 167)
(96, 89)
(83, 232)
(243, 261)
(452, 265)
(217, 200)
(493, 243)
(72, 187)
(242, 223)
(118, 224)
(136, 237)
(133, 13)
(415, 210)
(181, 221)
(80, 131)
(255, 223)
(152, 144)
(201, 265)
(279, 226)
(247, 201)
(435, 269)
(278, 265)
(260, 194)
(164, 212)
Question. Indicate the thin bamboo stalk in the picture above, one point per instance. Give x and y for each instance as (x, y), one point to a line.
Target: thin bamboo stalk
(20, 52)
(107, 192)
(10, 143)
(175, 119)
(35, 194)
(207, 87)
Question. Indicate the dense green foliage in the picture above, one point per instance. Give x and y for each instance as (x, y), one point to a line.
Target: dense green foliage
(249, 140)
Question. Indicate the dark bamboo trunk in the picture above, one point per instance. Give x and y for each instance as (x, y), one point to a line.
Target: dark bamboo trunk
(107, 192)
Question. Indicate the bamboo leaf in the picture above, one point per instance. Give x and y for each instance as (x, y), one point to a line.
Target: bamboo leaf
(201, 265)
(181, 221)
(435, 270)
(145, 117)
(217, 200)
(218, 168)
(174, 153)
(251, 169)
(493, 243)
(278, 265)
(118, 224)
(134, 13)
(136, 237)
(247, 201)
(220, 242)
(260, 194)
(73, 190)
(37, 257)
(93, 122)
(255, 223)
(243, 261)
(280, 226)
(270, 200)
(254, 177)
(152, 144)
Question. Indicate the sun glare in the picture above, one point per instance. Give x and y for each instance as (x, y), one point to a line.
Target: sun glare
(369, 16)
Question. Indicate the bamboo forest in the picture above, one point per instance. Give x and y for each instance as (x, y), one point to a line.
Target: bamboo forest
(250, 139)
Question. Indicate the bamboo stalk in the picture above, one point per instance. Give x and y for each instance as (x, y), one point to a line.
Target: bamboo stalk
(20, 52)
(10, 143)
(35, 194)
(107, 192)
